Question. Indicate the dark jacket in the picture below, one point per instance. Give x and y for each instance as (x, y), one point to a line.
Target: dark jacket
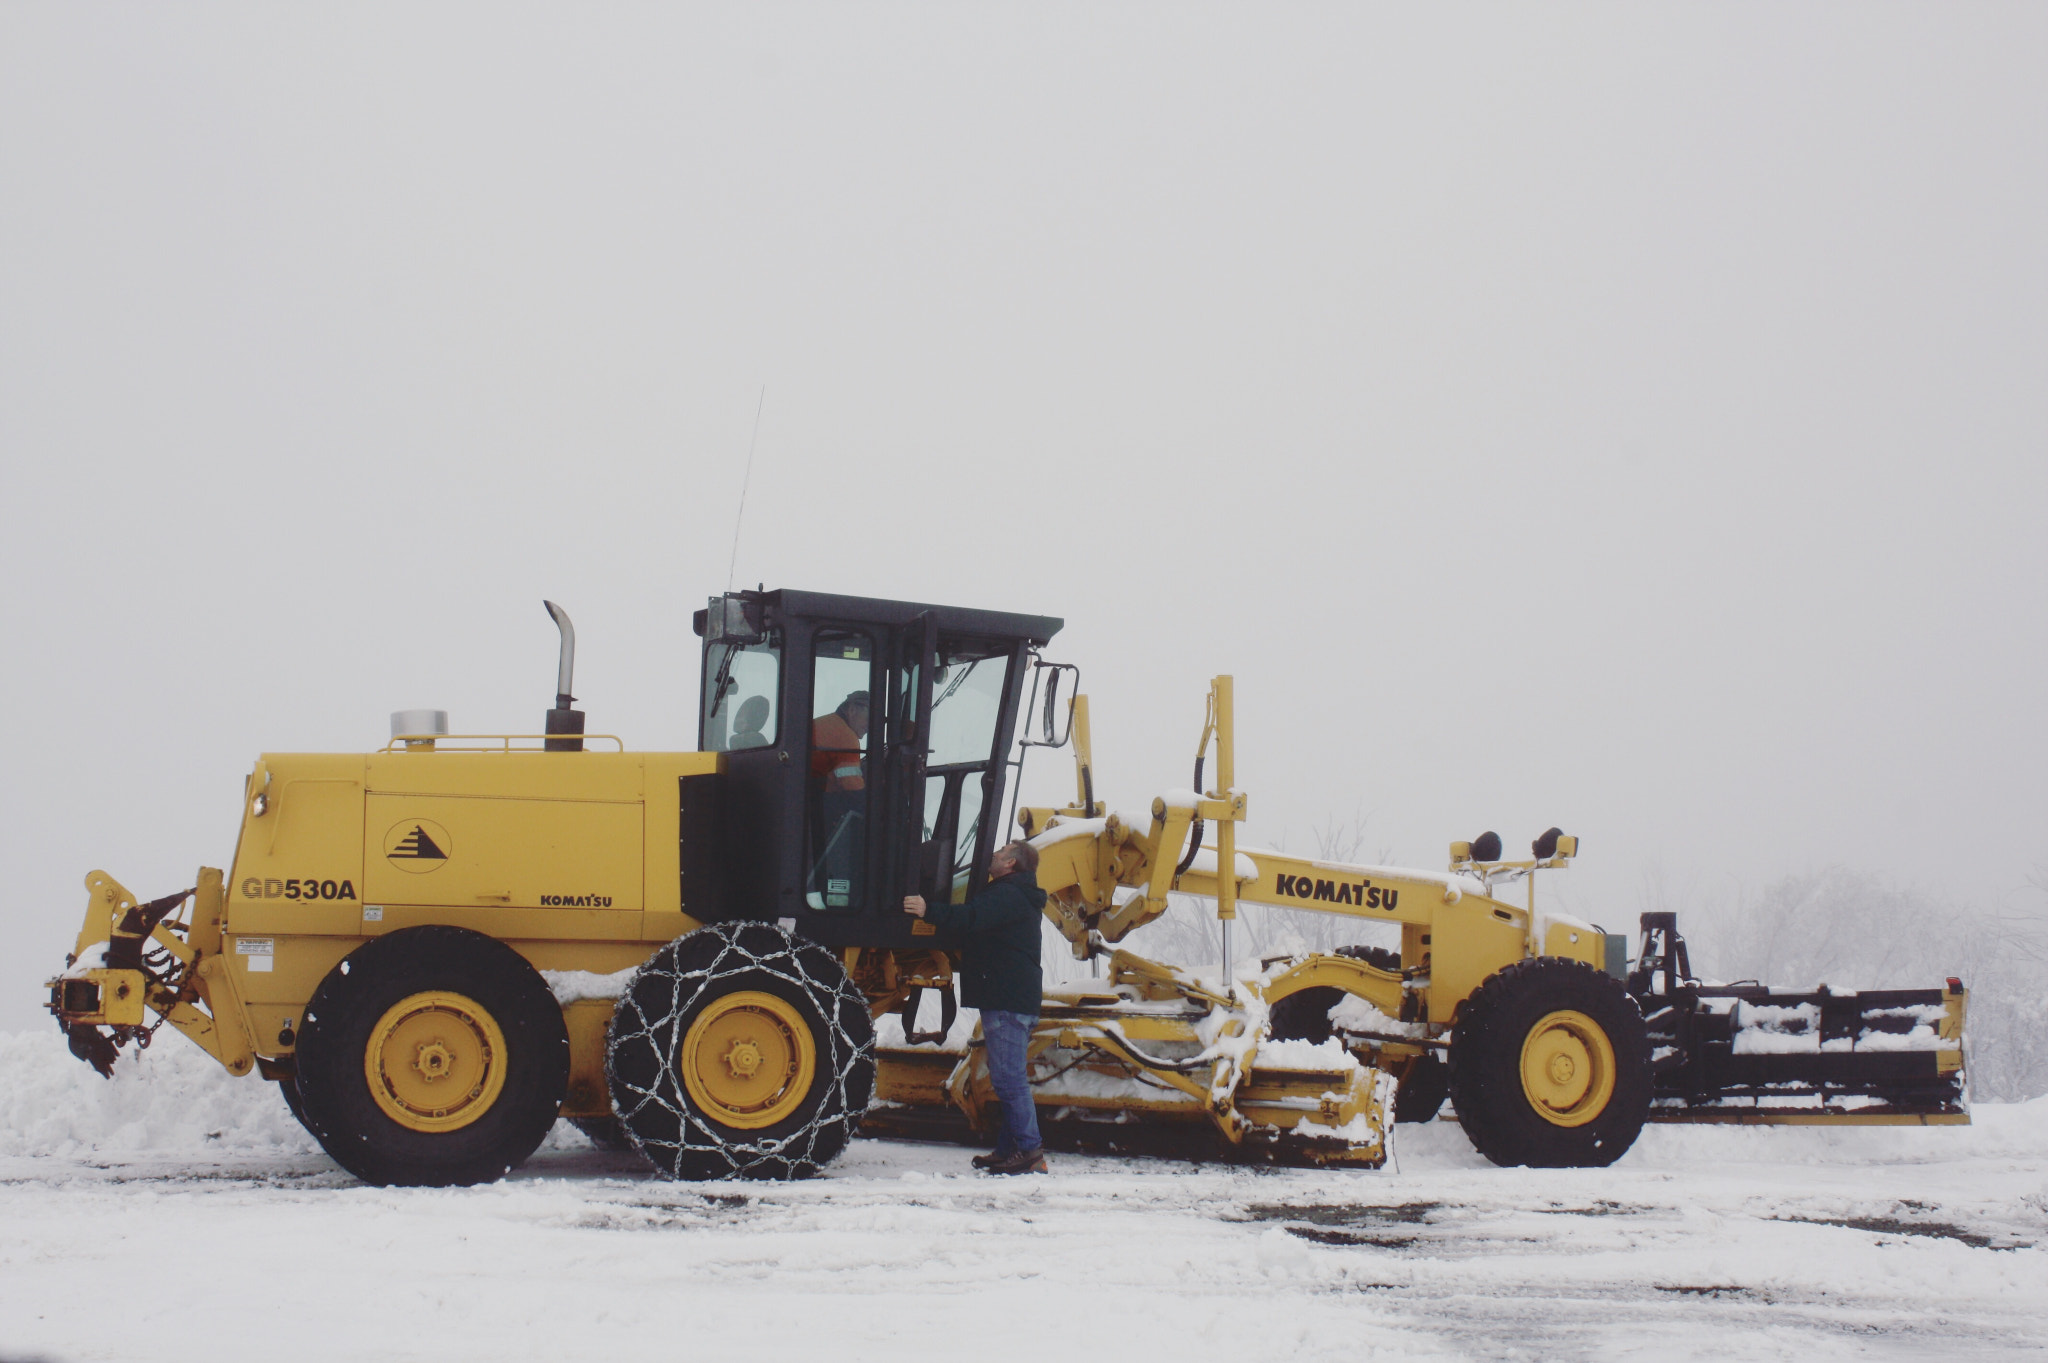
(999, 954)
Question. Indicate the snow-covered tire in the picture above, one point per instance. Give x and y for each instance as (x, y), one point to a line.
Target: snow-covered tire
(740, 1050)
(1550, 1066)
(469, 1046)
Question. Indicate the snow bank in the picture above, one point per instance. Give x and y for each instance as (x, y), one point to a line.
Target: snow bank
(171, 1097)
(1997, 1131)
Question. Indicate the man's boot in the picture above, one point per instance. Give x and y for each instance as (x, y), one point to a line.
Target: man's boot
(991, 1159)
(1023, 1162)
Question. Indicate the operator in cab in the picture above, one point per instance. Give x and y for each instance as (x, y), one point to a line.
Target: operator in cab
(1000, 975)
(836, 744)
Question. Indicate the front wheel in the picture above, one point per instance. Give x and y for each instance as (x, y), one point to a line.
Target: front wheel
(432, 1057)
(740, 1050)
(1550, 1066)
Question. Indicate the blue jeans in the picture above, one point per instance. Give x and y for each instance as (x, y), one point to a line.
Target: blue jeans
(1008, 1036)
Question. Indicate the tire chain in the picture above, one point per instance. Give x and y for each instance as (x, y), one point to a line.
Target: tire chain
(845, 1058)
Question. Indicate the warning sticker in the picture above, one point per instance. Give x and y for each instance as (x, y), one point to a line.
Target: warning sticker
(260, 952)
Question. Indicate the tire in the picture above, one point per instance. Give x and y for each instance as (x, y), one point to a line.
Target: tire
(290, 1091)
(1550, 1066)
(1379, 958)
(1304, 1016)
(740, 1050)
(1423, 1089)
(606, 1133)
(420, 1008)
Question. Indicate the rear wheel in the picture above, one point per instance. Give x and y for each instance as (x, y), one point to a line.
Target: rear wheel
(1550, 1066)
(741, 1049)
(435, 1056)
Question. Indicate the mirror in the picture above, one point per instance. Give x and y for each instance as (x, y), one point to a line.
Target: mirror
(1047, 676)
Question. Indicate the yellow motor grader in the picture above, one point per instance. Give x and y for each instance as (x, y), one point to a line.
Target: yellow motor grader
(438, 948)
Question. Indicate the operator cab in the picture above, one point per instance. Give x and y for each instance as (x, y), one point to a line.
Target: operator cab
(865, 747)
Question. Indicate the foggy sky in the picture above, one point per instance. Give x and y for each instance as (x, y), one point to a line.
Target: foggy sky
(1628, 418)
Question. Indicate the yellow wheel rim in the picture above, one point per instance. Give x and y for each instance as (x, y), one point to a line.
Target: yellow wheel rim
(1568, 1068)
(435, 1061)
(748, 1060)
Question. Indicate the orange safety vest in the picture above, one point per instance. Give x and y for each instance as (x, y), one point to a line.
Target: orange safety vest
(835, 753)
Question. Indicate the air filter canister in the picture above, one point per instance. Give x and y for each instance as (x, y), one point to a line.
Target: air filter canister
(417, 727)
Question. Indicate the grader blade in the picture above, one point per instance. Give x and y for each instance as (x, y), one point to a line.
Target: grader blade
(1152, 1059)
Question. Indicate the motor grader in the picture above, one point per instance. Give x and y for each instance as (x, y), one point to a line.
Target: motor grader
(439, 948)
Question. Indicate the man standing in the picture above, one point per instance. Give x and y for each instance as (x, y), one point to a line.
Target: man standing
(999, 974)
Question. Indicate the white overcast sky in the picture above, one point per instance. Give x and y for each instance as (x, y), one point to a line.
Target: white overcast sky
(1626, 417)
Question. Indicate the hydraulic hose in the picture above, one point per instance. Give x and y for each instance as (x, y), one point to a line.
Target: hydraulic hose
(1195, 830)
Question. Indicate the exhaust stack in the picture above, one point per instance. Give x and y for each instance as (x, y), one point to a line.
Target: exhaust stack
(565, 719)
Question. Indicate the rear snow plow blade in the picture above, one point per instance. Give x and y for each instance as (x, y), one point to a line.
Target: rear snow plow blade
(1751, 1055)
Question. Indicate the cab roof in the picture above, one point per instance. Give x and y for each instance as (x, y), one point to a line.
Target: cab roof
(875, 610)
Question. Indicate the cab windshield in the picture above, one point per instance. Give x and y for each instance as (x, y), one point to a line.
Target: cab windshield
(741, 686)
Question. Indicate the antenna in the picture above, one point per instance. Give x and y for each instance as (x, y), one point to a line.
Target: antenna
(744, 481)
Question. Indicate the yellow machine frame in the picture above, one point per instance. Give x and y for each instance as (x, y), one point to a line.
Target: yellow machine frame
(334, 850)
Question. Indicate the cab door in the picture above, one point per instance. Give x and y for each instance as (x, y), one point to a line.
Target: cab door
(863, 777)
(972, 717)
(905, 839)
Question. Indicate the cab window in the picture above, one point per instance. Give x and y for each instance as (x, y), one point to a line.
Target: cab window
(967, 702)
(741, 686)
(836, 787)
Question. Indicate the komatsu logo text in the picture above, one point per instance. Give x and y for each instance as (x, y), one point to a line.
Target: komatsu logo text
(1363, 893)
(576, 901)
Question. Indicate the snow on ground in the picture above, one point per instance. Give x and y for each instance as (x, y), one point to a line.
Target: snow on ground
(179, 1213)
